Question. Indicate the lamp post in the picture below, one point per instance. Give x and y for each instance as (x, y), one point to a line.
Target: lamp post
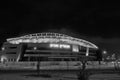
(38, 63)
(104, 53)
(38, 66)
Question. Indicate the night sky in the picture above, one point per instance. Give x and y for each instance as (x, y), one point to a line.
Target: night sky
(94, 21)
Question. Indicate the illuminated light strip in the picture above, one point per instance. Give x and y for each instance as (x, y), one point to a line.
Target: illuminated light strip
(60, 46)
(55, 37)
(87, 51)
(48, 40)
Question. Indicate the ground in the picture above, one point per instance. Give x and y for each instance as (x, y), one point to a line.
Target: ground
(55, 72)
(58, 75)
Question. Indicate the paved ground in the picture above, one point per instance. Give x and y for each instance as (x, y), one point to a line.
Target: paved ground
(57, 75)
(105, 77)
(102, 72)
(31, 76)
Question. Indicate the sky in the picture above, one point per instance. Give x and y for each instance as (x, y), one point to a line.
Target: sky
(97, 22)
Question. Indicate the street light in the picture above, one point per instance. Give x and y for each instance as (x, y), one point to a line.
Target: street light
(35, 48)
(3, 48)
(104, 52)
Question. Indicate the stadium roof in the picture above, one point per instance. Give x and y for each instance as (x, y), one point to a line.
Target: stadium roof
(49, 37)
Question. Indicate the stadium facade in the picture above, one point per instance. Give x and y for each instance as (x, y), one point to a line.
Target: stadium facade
(47, 46)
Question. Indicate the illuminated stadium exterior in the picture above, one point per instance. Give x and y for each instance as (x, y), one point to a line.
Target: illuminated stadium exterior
(47, 46)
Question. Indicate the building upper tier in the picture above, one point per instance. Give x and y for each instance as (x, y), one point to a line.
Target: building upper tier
(49, 37)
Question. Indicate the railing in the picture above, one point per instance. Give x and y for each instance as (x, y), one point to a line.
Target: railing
(55, 65)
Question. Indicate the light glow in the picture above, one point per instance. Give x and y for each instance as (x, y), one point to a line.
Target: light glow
(3, 58)
(60, 46)
(35, 48)
(3, 48)
(75, 48)
(87, 51)
(104, 52)
(51, 38)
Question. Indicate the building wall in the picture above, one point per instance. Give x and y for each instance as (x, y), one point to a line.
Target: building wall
(14, 52)
(11, 51)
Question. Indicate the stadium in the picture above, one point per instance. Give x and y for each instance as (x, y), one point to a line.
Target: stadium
(50, 49)
(47, 46)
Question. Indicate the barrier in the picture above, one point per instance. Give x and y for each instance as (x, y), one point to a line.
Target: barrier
(55, 65)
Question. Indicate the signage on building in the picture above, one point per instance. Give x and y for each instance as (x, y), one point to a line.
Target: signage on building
(61, 46)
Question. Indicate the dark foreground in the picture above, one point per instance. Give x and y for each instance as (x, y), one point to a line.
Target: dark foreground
(93, 74)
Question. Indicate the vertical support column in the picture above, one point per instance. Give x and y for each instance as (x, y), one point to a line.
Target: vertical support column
(19, 52)
(38, 66)
(87, 51)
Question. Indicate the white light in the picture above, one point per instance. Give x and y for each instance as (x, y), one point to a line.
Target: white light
(3, 58)
(104, 52)
(64, 46)
(87, 51)
(35, 48)
(60, 46)
(54, 45)
(75, 48)
(3, 48)
(55, 37)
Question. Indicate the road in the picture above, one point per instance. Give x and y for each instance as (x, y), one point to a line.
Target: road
(57, 75)
(105, 77)
(101, 72)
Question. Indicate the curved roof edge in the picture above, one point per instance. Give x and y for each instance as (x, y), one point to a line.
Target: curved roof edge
(51, 37)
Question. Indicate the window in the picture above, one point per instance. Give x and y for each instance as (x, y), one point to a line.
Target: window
(75, 48)
(13, 47)
(82, 49)
(66, 59)
(57, 59)
(73, 59)
(30, 48)
(43, 48)
(11, 53)
(11, 60)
